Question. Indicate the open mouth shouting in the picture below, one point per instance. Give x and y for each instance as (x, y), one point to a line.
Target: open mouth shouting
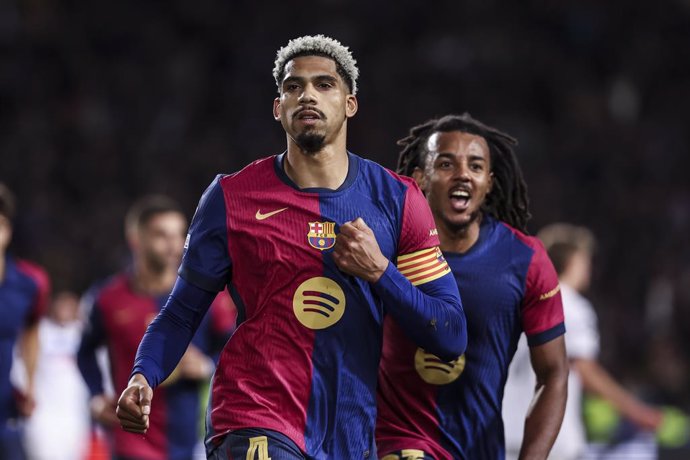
(459, 199)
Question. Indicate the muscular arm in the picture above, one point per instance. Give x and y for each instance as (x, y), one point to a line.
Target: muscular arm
(597, 380)
(546, 411)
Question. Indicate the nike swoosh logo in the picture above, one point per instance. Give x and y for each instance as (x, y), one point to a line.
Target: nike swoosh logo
(260, 216)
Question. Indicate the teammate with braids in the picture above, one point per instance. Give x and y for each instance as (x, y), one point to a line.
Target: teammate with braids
(432, 408)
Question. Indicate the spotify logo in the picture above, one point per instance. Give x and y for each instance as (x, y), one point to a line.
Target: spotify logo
(319, 303)
(435, 371)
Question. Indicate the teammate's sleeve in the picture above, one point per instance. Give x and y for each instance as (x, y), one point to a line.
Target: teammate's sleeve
(93, 337)
(168, 336)
(420, 292)
(42, 296)
(206, 260)
(542, 307)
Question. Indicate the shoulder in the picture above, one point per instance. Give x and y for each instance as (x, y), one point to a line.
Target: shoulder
(375, 174)
(112, 287)
(33, 272)
(520, 237)
(254, 171)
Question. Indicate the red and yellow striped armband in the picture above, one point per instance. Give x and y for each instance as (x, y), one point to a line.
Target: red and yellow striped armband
(423, 266)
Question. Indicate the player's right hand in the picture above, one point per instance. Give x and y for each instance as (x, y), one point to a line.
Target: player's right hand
(134, 406)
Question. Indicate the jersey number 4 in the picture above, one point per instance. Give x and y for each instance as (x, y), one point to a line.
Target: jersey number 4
(258, 448)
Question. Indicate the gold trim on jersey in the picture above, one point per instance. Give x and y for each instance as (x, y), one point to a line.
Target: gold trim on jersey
(423, 266)
(550, 294)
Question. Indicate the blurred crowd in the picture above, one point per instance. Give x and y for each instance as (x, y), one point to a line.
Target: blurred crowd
(101, 102)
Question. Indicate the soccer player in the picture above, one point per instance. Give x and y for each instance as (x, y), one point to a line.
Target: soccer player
(431, 407)
(24, 294)
(122, 309)
(308, 241)
(571, 248)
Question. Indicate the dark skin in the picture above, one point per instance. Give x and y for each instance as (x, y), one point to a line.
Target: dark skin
(456, 180)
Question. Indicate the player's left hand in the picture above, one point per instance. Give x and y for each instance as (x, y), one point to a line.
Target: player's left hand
(358, 253)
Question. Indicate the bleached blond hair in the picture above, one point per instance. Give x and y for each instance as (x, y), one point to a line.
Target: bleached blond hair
(318, 45)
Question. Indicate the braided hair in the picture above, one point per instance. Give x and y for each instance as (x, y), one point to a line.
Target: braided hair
(508, 200)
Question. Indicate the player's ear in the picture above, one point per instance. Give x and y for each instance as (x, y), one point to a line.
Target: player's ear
(491, 182)
(419, 177)
(276, 109)
(351, 105)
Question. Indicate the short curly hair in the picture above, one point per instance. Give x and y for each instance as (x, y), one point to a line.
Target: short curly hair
(318, 45)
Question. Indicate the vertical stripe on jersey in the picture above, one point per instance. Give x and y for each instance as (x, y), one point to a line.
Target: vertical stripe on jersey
(263, 251)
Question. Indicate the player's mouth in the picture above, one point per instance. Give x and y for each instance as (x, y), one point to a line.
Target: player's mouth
(459, 199)
(309, 116)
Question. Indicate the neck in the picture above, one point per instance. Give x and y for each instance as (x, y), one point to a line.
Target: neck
(150, 282)
(459, 240)
(326, 168)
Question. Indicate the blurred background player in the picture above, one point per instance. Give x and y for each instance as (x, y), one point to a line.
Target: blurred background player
(570, 249)
(58, 429)
(429, 408)
(305, 240)
(121, 310)
(24, 293)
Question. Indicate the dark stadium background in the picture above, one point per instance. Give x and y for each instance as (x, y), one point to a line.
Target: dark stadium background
(101, 102)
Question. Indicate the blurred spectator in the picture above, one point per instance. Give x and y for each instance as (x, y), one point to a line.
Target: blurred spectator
(59, 427)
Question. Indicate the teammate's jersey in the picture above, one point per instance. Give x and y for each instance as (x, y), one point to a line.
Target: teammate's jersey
(118, 319)
(303, 362)
(453, 409)
(24, 295)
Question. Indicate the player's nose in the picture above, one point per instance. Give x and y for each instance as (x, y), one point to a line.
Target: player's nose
(308, 95)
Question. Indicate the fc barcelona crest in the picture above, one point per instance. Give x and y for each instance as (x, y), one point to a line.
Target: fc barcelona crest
(321, 235)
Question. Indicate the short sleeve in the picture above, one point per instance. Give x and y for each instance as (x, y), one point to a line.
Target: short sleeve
(206, 260)
(419, 257)
(542, 307)
(418, 230)
(41, 299)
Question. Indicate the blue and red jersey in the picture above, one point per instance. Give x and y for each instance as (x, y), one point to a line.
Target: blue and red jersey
(24, 297)
(452, 409)
(304, 359)
(118, 318)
